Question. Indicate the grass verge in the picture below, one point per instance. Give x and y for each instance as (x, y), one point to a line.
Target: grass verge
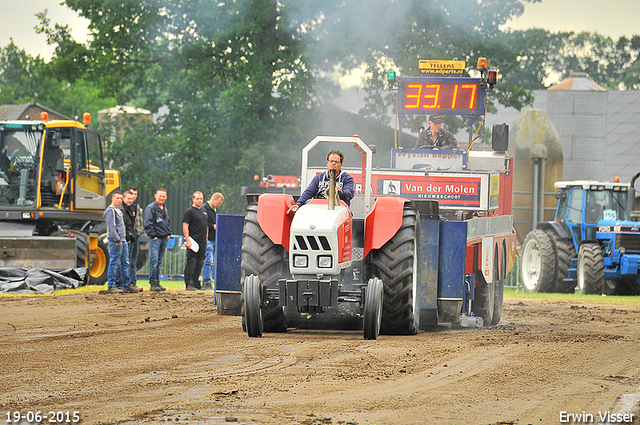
(511, 294)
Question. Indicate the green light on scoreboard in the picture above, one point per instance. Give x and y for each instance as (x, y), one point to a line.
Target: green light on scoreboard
(391, 75)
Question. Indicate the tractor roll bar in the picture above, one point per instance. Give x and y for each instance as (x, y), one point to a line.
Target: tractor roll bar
(350, 140)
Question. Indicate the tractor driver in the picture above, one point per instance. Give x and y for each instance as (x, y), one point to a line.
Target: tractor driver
(319, 186)
(435, 137)
(594, 210)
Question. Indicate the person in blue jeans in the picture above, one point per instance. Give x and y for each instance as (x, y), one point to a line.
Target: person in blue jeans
(157, 226)
(118, 249)
(211, 207)
(130, 212)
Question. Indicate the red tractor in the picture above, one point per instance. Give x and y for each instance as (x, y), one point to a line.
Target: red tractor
(433, 248)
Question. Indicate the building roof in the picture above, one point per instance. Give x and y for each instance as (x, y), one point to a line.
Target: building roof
(578, 81)
(28, 111)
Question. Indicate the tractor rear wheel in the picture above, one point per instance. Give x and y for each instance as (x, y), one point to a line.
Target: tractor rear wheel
(564, 252)
(396, 264)
(373, 309)
(261, 257)
(538, 262)
(499, 289)
(484, 301)
(252, 310)
(590, 269)
(497, 302)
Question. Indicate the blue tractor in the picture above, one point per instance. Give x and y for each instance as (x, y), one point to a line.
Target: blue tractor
(591, 244)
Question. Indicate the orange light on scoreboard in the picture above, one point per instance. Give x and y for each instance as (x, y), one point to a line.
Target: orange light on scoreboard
(455, 96)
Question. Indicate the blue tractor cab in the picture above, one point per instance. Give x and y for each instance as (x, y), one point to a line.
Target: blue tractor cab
(591, 244)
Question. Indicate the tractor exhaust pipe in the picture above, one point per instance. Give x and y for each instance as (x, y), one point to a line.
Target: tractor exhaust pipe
(332, 189)
(631, 200)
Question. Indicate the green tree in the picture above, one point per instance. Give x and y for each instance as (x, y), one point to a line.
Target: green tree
(25, 79)
(20, 74)
(229, 75)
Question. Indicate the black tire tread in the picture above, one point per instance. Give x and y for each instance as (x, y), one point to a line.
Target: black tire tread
(261, 257)
(483, 302)
(393, 264)
(546, 278)
(254, 320)
(593, 268)
(371, 320)
(564, 252)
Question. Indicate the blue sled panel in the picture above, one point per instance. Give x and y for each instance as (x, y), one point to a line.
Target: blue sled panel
(427, 289)
(453, 250)
(228, 252)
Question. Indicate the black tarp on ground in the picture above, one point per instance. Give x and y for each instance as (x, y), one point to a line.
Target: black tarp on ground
(39, 281)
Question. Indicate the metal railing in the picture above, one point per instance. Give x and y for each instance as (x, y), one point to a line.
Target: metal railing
(172, 265)
(513, 278)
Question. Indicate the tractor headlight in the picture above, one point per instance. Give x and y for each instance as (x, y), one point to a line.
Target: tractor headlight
(623, 250)
(324, 261)
(300, 261)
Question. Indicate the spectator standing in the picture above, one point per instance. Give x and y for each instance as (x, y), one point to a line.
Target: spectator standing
(157, 225)
(129, 214)
(211, 207)
(118, 249)
(139, 231)
(194, 229)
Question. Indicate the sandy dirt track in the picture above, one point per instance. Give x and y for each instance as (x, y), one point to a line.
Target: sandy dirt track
(168, 357)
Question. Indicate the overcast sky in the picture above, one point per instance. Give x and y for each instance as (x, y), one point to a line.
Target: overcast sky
(616, 18)
(611, 18)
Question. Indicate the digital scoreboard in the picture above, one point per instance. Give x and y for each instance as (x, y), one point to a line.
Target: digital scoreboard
(442, 95)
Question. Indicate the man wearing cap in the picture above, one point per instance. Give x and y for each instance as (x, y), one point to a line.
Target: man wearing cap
(435, 137)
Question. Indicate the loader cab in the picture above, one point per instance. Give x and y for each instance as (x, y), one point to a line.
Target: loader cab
(19, 144)
(73, 172)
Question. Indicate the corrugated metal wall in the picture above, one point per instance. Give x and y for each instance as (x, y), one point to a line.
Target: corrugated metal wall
(580, 118)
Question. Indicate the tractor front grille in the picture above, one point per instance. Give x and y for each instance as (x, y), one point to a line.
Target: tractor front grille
(631, 241)
(312, 243)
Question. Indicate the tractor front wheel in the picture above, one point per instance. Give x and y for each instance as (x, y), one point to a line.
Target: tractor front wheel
(564, 252)
(252, 309)
(590, 269)
(266, 260)
(373, 309)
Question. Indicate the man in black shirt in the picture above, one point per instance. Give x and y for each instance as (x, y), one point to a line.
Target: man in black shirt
(195, 230)
(130, 215)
